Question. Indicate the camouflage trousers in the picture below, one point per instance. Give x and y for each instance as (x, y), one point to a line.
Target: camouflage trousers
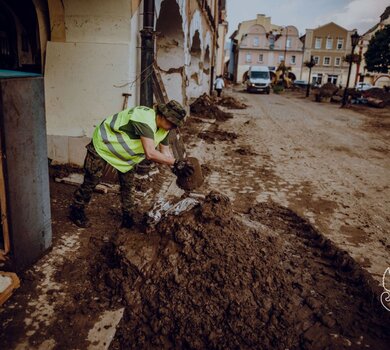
(94, 166)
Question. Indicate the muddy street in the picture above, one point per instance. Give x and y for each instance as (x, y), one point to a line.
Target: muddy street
(284, 246)
(329, 165)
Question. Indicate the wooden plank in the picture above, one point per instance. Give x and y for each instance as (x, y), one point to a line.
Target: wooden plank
(161, 95)
(15, 283)
(3, 206)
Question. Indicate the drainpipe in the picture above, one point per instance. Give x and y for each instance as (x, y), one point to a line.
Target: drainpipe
(147, 55)
(216, 20)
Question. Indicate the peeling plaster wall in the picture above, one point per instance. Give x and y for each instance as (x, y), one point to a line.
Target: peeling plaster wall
(171, 46)
(192, 20)
(87, 72)
(207, 63)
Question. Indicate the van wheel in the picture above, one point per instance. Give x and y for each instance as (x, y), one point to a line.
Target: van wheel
(268, 91)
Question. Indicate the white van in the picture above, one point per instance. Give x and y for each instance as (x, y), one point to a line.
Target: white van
(258, 79)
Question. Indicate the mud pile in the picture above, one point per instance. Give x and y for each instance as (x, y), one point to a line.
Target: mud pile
(205, 107)
(209, 279)
(231, 103)
(380, 94)
(210, 136)
(328, 90)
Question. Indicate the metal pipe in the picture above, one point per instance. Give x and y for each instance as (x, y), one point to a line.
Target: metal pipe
(147, 55)
(344, 101)
(216, 20)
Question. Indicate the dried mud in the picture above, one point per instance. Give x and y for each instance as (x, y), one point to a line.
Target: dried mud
(205, 107)
(212, 279)
(210, 136)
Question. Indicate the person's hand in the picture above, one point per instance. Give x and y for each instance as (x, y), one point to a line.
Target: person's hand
(183, 168)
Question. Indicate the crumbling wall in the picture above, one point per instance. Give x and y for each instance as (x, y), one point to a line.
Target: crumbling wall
(170, 47)
(195, 71)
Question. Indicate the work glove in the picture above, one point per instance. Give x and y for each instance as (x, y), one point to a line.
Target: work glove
(182, 168)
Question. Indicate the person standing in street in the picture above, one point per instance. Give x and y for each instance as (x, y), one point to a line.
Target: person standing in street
(219, 85)
(123, 140)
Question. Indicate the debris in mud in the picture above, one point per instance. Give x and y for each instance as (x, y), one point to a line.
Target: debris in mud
(189, 183)
(231, 103)
(328, 90)
(379, 94)
(245, 151)
(211, 279)
(210, 136)
(205, 107)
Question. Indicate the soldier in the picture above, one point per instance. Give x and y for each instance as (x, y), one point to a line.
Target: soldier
(124, 140)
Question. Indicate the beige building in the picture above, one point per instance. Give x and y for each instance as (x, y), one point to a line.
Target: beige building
(329, 45)
(258, 42)
(376, 79)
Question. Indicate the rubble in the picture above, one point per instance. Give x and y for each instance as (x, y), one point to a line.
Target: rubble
(209, 278)
(231, 103)
(205, 107)
(328, 90)
(378, 94)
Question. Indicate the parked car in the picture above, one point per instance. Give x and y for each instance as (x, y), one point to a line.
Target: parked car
(363, 86)
(258, 79)
(300, 83)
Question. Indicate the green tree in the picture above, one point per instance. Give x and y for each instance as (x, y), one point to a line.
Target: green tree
(378, 52)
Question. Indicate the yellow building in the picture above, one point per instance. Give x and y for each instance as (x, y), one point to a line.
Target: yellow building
(329, 45)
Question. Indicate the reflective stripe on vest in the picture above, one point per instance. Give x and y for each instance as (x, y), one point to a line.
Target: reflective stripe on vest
(116, 147)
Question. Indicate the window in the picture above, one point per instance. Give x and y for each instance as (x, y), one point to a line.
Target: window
(256, 41)
(340, 44)
(248, 57)
(337, 61)
(326, 61)
(261, 57)
(318, 43)
(332, 79)
(316, 59)
(317, 79)
(271, 39)
(288, 43)
(281, 58)
(293, 60)
(329, 43)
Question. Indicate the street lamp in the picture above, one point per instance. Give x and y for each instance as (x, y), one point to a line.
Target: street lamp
(310, 64)
(354, 41)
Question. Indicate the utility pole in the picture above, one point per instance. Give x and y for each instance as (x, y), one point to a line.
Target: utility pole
(147, 55)
(310, 65)
(354, 41)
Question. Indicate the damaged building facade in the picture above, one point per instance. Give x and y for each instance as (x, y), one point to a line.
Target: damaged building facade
(89, 55)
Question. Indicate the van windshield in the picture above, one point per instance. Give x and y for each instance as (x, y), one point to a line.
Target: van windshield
(259, 75)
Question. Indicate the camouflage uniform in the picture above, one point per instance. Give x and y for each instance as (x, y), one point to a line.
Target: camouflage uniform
(93, 167)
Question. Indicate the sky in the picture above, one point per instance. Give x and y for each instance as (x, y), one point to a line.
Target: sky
(308, 14)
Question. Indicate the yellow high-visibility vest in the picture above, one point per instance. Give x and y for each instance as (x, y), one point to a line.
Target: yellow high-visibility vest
(116, 147)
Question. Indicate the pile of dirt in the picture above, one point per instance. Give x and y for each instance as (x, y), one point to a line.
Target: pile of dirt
(209, 279)
(245, 151)
(231, 103)
(380, 94)
(328, 90)
(205, 107)
(210, 136)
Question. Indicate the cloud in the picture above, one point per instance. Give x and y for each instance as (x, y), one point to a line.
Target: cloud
(357, 14)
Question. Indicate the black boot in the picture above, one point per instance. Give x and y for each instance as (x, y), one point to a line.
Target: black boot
(127, 220)
(77, 216)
